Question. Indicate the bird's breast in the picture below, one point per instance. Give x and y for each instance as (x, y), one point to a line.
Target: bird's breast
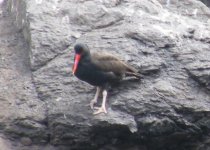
(91, 74)
(87, 73)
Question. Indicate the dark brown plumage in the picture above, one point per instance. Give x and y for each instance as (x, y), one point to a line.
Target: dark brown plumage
(108, 62)
(100, 70)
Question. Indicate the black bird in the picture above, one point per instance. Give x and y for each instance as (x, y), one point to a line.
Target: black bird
(100, 70)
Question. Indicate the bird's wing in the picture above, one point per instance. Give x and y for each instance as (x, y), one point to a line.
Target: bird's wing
(109, 63)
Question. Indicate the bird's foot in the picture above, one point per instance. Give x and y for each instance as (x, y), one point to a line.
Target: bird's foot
(92, 102)
(100, 110)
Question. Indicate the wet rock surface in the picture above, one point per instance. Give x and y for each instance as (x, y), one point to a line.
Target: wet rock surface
(45, 107)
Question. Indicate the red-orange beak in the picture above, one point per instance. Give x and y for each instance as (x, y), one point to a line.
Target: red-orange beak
(76, 62)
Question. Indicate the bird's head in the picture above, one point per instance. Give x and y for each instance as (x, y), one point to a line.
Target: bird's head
(81, 51)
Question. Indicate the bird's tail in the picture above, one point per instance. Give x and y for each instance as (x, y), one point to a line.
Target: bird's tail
(135, 74)
(132, 72)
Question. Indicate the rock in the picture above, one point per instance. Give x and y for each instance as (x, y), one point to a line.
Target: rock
(47, 107)
(26, 141)
(4, 143)
(21, 111)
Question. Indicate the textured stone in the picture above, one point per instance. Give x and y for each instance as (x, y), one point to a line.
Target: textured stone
(26, 141)
(167, 40)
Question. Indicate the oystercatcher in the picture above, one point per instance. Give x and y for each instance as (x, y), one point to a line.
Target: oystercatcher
(100, 70)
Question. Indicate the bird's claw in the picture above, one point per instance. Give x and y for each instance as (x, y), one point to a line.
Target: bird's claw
(100, 110)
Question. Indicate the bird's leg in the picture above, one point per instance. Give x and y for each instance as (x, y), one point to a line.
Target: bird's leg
(95, 99)
(102, 109)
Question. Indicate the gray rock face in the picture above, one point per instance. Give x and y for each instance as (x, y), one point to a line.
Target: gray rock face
(44, 106)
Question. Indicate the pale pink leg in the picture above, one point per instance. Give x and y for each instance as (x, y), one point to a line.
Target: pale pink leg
(102, 109)
(95, 99)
